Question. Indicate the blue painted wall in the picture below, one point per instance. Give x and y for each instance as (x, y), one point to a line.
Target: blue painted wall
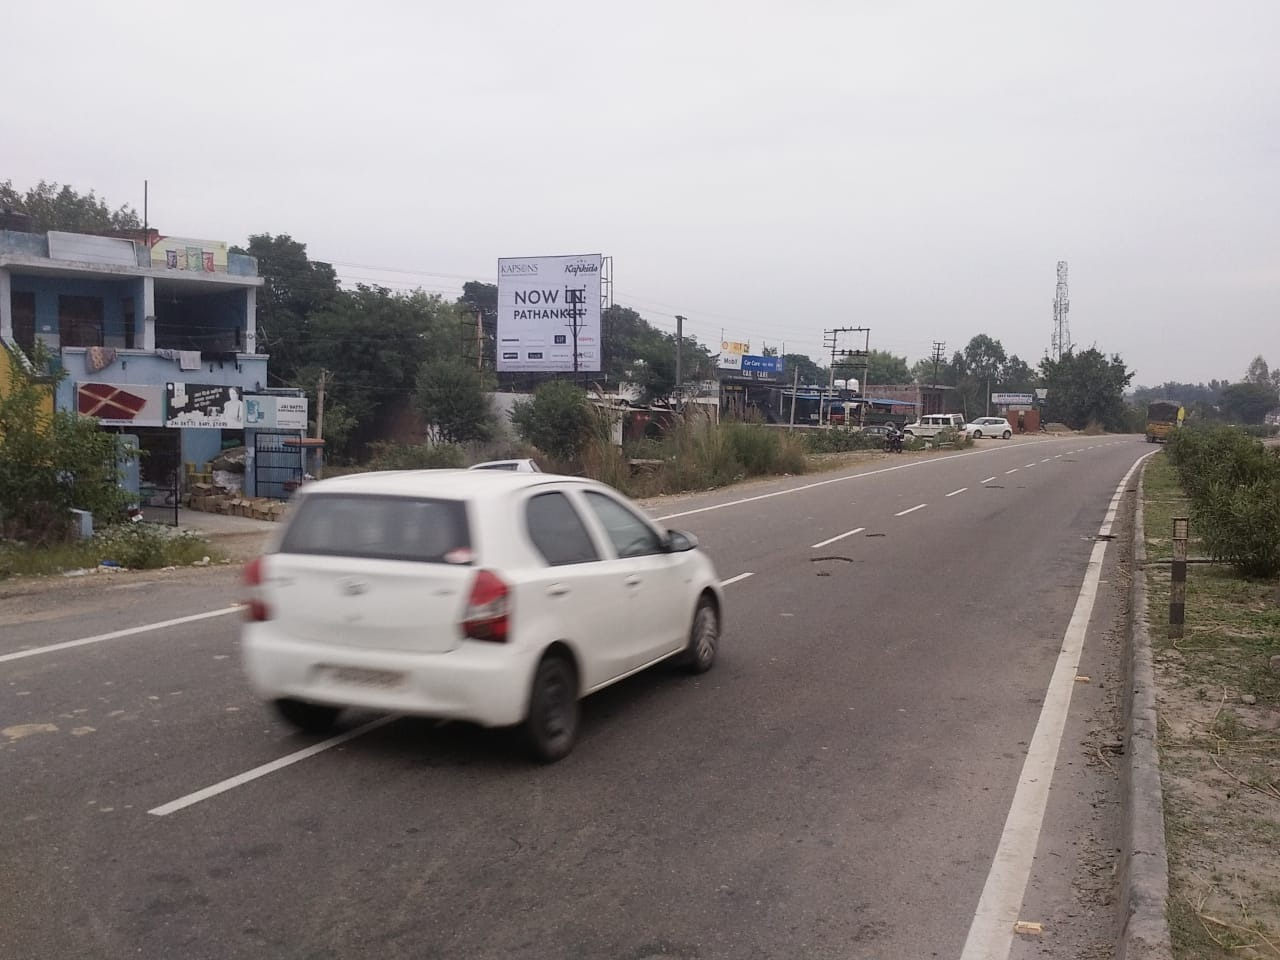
(137, 366)
(112, 292)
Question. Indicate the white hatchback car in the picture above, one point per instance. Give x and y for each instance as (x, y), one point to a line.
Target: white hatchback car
(989, 427)
(495, 597)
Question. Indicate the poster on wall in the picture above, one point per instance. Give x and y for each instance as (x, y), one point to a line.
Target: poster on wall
(214, 406)
(121, 404)
(181, 253)
(546, 305)
(275, 413)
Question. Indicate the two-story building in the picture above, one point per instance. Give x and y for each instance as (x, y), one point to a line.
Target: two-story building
(156, 336)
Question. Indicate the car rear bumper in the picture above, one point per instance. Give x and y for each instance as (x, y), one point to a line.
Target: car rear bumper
(478, 682)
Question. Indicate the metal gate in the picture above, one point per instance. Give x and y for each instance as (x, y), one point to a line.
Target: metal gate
(277, 465)
(159, 468)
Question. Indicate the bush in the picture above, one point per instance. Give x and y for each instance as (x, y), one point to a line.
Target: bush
(134, 546)
(836, 440)
(416, 456)
(558, 420)
(1234, 485)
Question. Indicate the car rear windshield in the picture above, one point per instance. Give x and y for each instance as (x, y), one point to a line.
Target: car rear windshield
(377, 527)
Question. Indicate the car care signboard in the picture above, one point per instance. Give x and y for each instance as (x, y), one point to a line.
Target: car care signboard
(545, 306)
(762, 368)
(203, 405)
(121, 404)
(275, 413)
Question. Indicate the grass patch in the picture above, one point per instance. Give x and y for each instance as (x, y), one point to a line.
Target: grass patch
(1219, 739)
(133, 546)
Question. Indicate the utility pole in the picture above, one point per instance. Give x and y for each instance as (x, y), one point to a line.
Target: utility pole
(320, 385)
(679, 361)
(939, 352)
(857, 358)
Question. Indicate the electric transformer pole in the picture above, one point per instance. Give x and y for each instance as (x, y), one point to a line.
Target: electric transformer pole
(1061, 305)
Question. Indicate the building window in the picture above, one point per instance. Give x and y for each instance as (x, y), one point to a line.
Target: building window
(80, 321)
(24, 319)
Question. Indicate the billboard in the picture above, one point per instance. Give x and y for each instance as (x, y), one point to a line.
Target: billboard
(180, 253)
(542, 302)
(731, 354)
(275, 413)
(203, 405)
(1013, 399)
(121, 404)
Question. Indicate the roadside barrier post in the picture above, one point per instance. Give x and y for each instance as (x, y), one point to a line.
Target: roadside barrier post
(1178, 581)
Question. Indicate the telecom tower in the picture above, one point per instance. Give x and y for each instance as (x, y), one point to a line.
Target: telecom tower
(1061, 305)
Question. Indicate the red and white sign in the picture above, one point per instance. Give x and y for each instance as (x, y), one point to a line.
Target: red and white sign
(122, 404)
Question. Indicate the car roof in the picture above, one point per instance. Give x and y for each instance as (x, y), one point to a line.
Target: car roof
(448, 484)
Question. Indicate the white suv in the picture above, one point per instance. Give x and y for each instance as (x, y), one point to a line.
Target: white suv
(931, 424)
(493, 596)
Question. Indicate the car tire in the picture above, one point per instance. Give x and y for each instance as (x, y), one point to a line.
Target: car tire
(704, 637)
(977, 434)
(551, 728)
(310, 717)
(1007, 434)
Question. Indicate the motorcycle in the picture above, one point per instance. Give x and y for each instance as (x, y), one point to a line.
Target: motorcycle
(893, 443)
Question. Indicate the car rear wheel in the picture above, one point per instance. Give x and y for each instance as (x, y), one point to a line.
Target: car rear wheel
(1007, 434)
(311, 717)
(977, 434)
(704, 638)
(551, 727)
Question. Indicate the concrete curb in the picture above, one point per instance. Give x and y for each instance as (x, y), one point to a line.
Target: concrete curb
(1145, 865)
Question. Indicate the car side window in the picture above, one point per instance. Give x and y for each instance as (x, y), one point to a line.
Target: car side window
(557, 531)
(631, 536)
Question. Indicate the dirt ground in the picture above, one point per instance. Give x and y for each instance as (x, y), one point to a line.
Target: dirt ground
(1219, 715)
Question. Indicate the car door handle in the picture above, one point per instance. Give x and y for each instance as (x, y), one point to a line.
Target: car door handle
(633, 581)
(557, 590)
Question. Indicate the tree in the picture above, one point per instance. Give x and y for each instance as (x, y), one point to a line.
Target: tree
(1258, 372)
(885, 368)
(558, 420)
(1086, 388)
(451, 398)
(983, 359)
(53, 462)
(1249, 402)
(52, 206)
(811, 373)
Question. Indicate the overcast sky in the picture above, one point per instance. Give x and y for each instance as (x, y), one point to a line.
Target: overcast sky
(768, 170)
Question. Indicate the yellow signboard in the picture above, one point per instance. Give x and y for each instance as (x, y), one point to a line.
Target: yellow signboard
(181, 253)
(733, 346)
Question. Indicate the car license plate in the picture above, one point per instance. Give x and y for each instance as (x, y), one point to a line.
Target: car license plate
(360, 677)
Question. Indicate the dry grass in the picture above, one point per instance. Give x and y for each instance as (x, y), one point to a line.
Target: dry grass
(1219, 744)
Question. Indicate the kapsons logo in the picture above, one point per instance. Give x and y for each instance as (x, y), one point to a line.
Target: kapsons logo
(580, 267)
(517, 269)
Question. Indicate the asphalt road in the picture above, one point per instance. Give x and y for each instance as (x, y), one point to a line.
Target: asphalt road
(840, 785)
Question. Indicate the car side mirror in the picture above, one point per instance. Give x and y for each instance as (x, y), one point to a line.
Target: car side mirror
(678, 541)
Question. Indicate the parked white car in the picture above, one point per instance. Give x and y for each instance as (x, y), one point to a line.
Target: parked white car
(989, 427)
(519, 466)
(496, 597)
(930, 425)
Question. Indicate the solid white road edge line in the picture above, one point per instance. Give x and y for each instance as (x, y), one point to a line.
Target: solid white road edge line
(840, 536)
(954, 492)
(249, 775)
(991, 933)
(824, 483)
(738, 579)
(918, 506)
(117, 634)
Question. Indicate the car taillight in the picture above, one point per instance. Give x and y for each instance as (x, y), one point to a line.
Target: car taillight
(488, 609)
(255, 608)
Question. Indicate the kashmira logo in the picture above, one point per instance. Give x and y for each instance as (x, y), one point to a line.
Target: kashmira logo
(517, 269)
(580, 267)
